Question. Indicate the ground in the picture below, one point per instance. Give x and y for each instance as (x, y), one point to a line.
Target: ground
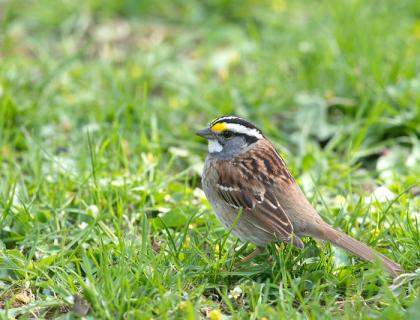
(102, 213)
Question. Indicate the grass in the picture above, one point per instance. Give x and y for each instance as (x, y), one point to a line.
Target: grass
(101, 209)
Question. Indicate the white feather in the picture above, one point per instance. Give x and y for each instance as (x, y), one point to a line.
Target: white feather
(226, 118)
(226, 188)
(214, 146)
(238, 128)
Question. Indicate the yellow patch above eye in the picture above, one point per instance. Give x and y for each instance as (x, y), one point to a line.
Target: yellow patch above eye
(219, 127)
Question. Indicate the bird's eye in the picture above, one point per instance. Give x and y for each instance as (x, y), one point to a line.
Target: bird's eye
(227, 134)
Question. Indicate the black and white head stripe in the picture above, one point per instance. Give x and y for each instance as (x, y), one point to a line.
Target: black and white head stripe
(235, 125)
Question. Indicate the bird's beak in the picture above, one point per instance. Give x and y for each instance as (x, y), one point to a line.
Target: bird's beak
(205, 133)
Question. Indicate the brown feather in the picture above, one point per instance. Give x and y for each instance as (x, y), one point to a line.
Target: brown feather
(360, 249)
(258, 184)
(256, 193)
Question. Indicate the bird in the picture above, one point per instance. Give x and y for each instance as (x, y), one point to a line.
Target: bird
(253, 193)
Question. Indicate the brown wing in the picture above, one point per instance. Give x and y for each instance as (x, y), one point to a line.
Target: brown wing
(251, 181)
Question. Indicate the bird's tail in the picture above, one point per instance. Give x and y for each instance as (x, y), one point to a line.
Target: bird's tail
(360, 249)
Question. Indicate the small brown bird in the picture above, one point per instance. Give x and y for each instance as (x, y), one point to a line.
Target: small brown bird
(244, 174)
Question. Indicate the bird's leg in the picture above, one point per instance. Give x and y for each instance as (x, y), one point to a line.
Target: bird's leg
(279, 248)
(252, 255)
(320, 243)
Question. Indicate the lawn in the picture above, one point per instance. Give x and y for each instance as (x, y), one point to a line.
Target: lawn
(102, 214)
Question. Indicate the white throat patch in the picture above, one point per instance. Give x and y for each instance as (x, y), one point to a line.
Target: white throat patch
(214, 146)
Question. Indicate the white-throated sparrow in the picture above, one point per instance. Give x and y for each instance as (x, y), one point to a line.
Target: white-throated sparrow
(244, 174)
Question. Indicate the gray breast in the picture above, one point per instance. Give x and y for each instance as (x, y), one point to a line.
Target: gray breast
(244, 229)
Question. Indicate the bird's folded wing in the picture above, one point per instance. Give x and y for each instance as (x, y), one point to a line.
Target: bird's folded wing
(258, 201)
